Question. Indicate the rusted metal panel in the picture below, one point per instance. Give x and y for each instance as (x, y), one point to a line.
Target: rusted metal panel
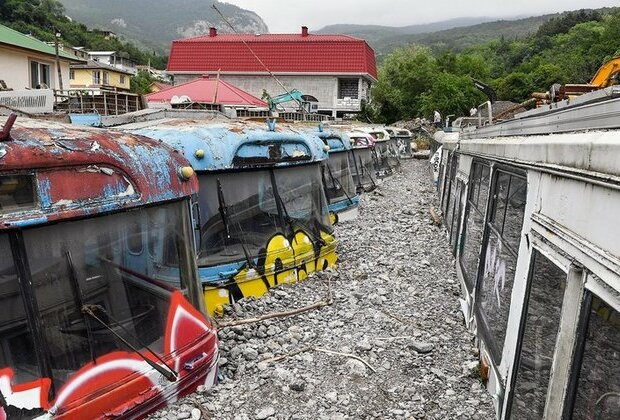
(85, 171)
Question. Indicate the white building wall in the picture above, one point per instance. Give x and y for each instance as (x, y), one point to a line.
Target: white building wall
(324, 88)
(15, 68)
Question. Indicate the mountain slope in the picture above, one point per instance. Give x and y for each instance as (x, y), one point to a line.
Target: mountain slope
(155, 23)
(374, 33)
(454, 34)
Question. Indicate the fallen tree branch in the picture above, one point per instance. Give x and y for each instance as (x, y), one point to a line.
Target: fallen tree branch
(306, 349)
(435, 216)
(204, 413)
(393, 338)
(287, 355)
(317, 305)
(352, 356)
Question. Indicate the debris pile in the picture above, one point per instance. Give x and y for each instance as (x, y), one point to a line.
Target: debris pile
(385, 338)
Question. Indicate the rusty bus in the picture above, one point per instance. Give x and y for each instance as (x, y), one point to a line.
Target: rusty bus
(98, 284)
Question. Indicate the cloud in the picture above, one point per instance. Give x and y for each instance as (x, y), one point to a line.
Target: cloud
(289, 16)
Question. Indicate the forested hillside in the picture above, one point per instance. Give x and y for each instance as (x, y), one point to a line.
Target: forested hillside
(569, 48)
(455, 34)
(42, 18)
(155, 23)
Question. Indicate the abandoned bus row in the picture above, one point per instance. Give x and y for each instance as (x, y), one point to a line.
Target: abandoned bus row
(119, 245)
(530, 205)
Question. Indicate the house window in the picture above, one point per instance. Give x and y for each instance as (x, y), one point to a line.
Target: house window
(122, 79)
(479, 181)
(503, 236)
(348, 88)
(72, 74)
(96, 77)
(40, 75)
(106, 78)
(542, 322)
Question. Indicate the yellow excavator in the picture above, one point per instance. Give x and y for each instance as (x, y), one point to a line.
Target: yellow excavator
(607, 75)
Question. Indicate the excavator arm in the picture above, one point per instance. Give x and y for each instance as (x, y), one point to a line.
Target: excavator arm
(292, 96)
(607, 74)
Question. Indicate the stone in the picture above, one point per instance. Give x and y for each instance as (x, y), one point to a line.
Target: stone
(250, 354)
(421, 347)
(332, 397)
(265, 413)
(196, 414)
(355, 367)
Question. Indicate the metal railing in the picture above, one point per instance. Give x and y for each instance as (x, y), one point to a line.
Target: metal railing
(95, 100)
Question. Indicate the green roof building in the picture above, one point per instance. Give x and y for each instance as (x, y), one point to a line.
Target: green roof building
(28, 63)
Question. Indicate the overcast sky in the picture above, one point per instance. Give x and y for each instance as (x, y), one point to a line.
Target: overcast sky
(289, 15)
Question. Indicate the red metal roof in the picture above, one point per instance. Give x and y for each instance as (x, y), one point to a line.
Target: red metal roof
(282, 53)
(203, 90)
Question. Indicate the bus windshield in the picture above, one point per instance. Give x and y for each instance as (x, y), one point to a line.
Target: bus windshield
(242, 211)
(124, 267)
(338, 180)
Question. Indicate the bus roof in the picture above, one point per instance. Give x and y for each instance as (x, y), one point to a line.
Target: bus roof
(52, 171)
(336, 140)
(235, 145)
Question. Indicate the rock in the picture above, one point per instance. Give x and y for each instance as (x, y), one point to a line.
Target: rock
(183, 415)
(265, 413)
(363, 345)
(298, 385)
(332, 397)
(421, 347)
(355, 367)
(250, 354)
(395, 304)
(196, 414)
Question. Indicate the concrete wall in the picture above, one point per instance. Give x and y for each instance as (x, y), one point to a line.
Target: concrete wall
(84, 79)
(324, 88)
(15, 68)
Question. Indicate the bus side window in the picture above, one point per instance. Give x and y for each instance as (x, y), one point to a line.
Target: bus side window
(500, 258)
(598, 387)
(474, 222)
(541, 325)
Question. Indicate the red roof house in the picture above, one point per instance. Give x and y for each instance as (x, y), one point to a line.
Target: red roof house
(206, 90)
(337, 70)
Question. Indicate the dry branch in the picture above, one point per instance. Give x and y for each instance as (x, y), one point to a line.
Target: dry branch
(305, 349)
(317, 305)
(435, 216)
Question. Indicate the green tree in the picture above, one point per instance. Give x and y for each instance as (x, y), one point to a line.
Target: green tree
(141, 83)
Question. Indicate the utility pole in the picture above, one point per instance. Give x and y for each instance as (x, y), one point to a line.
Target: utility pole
(56, 37)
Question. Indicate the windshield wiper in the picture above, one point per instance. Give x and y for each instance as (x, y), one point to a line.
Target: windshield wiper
(168, 373)
(223, 209)
(79, 302)
(357, 171)
(282, 212)
(285, 215)
(337, 183)
(364, 169)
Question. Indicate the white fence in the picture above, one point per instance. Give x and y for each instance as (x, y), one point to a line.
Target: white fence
(37, 101)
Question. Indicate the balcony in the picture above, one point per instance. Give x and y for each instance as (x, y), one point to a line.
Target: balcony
(348, 104)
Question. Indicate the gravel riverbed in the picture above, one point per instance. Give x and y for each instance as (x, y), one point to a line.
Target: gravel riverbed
(395, 309)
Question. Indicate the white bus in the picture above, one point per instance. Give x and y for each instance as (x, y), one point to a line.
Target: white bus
(531, 208)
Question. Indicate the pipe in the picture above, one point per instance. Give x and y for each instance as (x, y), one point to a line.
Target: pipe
(5, 134)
